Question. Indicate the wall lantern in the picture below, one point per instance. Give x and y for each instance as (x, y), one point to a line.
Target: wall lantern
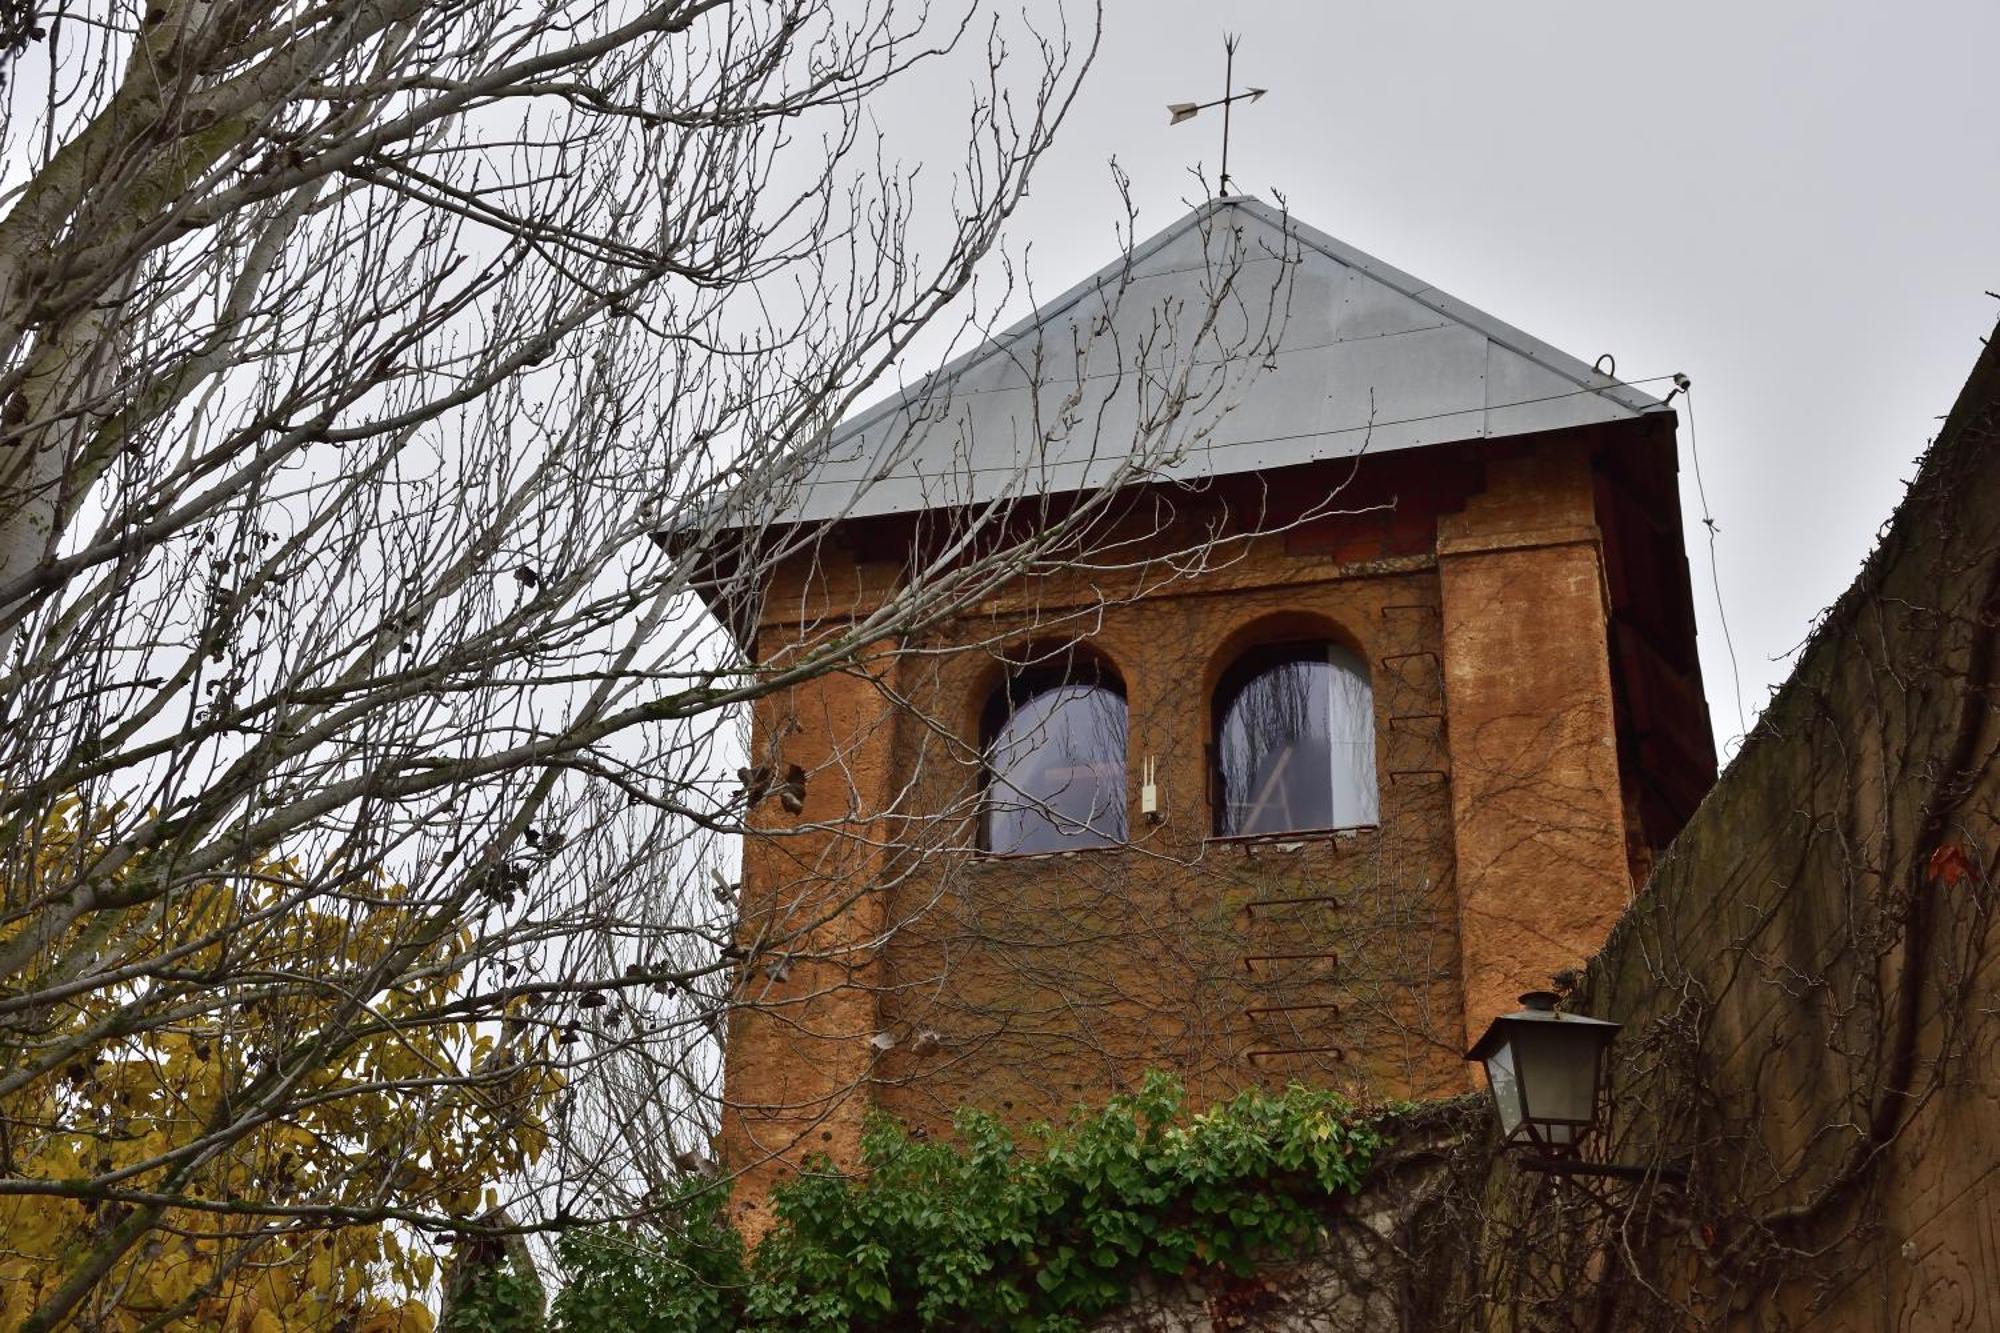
(1544, 1069)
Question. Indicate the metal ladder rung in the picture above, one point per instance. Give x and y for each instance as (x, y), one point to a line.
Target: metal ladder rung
(1256, 1010)
(1339, 1053)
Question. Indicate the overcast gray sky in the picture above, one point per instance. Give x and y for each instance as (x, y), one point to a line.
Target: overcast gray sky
(1796, 204)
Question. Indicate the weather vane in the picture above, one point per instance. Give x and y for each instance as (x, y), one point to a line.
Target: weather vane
(1181, 111)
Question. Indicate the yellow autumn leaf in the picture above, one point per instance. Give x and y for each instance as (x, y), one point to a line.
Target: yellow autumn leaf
(127, 1099)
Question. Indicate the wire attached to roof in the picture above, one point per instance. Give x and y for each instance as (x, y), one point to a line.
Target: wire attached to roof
(1685, 386)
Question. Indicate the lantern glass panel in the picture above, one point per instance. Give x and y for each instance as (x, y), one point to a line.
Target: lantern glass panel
(1506, 1089)
(1557, 1071)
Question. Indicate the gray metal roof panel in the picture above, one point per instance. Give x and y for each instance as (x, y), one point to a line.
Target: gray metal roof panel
(1292, 348)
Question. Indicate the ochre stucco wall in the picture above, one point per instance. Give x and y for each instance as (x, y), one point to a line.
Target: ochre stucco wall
(1539, 814)
(1026, 985)
(799, 1044)
(1050, 979)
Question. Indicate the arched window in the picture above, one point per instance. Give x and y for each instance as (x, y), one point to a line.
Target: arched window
(1055, 762)
(1295, 741)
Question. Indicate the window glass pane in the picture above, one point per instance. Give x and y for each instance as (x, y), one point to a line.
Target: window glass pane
(1297, 745)
(1056, 772)
(1506, 1089)
(1556, 1082)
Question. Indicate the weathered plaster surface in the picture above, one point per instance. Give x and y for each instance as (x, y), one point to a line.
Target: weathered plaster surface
(799, 1046)
(1472, 584)
(1536, 799)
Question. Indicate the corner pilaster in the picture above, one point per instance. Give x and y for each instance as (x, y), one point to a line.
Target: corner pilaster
(799, 1057)
(1536, 803)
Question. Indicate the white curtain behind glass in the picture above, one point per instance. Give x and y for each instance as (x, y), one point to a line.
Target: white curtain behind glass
(1298, 747)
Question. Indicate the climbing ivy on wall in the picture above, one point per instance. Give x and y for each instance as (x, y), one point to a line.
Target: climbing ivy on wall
(984, 1230)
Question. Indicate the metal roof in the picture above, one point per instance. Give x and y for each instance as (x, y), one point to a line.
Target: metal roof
(1236, 340)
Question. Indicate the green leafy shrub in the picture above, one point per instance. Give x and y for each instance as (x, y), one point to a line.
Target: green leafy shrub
(689, 1279)
(497, 1300)
(979, 1231)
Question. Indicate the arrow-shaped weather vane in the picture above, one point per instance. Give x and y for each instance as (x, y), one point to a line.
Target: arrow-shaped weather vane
(1181, 111)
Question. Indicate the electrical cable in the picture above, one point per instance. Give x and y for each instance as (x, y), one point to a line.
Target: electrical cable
(1714, 572)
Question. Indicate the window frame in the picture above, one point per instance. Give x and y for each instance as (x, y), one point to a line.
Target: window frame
(1020, 688)
(1245, 670)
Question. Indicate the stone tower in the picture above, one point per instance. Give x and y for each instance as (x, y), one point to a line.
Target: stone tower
(1363, 708)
